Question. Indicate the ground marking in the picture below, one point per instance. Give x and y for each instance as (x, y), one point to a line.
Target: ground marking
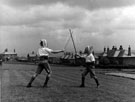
(126, 75)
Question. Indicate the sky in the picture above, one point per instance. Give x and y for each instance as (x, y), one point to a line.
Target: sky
(98, 23)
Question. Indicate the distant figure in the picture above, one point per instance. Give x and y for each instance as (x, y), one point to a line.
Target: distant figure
(43, 54)
(90, 65)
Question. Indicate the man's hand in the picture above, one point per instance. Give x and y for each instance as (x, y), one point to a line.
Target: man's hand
(62, 50)
(77, 55)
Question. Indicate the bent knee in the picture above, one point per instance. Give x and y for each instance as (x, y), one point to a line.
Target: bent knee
(95, 77)
(49, 74)
(35, 75)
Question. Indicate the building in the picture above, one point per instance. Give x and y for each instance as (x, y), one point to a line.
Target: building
(32, 57)
(70, 59)
(64, 58)
(118, 56)
(8, 56)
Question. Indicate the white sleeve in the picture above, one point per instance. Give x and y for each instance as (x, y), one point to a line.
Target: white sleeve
(92, 58)
(49, 50)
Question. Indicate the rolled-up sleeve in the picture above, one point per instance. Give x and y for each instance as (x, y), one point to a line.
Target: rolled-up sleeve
(49, 50)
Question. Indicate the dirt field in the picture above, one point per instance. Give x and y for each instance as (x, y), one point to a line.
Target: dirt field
(63, 86)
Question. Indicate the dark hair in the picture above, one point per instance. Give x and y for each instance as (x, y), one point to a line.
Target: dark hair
(41, 43)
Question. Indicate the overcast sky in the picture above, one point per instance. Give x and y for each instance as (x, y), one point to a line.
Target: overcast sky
(93, 22)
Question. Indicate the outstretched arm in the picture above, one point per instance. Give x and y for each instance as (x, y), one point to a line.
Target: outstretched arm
(57, 51)
(78, 56)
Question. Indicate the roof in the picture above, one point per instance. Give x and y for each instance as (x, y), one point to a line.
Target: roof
(62, 57)
(67, 56)
(32, 55)
(119, 53)
(71, 57)
(125, 54)
(9, 53)
(104, 54)
(111, 53)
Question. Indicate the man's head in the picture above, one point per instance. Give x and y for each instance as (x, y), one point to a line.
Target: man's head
(88, 50)
(43, 42)
(91, 49)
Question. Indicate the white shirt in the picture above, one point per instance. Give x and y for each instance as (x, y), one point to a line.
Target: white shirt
(90, 58)
(44, 51)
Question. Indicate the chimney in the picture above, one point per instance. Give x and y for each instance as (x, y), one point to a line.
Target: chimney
(6, 50)
(14, 50)
(129, 51)
(104, 49)
(108, 49)
(121, 48)
(113, 47)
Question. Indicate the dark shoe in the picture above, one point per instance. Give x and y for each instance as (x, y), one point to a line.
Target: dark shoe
(83, 82)
(97, 82)
(30, 82)
(82, 85)
(46, 81)
(45, 86)
(28, 86)
(98, 85)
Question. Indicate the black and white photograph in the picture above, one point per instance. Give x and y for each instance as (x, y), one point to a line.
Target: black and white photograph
(67, 50)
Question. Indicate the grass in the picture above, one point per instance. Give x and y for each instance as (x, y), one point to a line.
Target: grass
(63, 86)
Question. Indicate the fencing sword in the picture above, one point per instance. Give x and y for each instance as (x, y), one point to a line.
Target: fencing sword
(73, 40)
